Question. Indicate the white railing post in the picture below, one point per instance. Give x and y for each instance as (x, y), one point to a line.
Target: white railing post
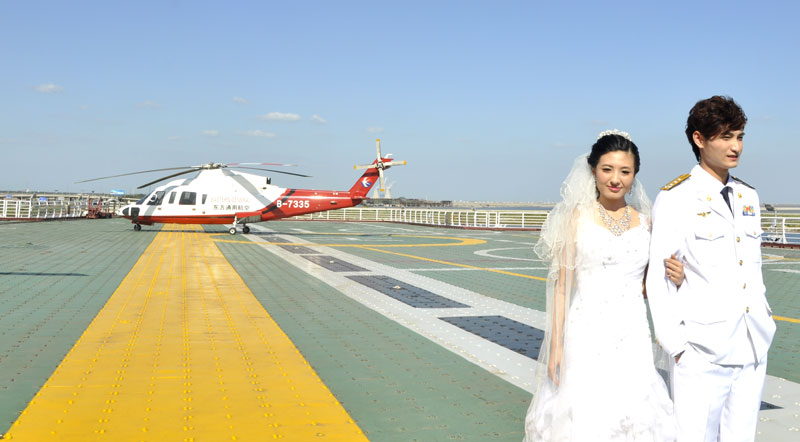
(783, 230)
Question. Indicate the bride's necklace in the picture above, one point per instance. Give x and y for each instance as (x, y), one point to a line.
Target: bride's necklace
(616, 226)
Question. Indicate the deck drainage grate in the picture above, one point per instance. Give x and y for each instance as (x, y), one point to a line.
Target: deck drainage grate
(299, 250)
(513, 335)
(414, 296)
(334, 264)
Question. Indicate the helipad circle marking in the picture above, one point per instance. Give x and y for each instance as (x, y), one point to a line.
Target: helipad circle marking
(487, 253)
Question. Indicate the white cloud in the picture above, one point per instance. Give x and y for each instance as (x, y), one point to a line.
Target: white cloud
(258, 133)
(317, 119)
(49, 88)
(240, 100)
(148, 104)
(280, 116)
(374, 130)
(211, 133)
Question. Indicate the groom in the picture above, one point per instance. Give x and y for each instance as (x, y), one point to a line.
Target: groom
(718, 325)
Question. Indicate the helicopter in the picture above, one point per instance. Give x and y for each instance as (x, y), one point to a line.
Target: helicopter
(220, 195)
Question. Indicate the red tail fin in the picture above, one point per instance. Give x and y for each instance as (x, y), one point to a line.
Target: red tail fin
(364, 184)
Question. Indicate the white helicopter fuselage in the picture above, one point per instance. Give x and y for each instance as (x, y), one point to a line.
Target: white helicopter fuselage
(222, 196)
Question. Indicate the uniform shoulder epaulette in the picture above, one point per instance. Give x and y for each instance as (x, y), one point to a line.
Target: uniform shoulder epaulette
(676, 181)
(742, 182)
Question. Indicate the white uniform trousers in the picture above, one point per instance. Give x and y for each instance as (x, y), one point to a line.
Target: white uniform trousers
(716, 403)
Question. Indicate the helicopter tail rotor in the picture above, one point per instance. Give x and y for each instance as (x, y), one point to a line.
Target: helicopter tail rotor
(381, 164)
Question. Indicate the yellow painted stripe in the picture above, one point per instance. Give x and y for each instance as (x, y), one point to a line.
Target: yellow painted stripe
(457, 242)
(183, 351)
(455, 264)
(783, 318)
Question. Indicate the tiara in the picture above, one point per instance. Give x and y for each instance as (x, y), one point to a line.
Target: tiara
(615, 132)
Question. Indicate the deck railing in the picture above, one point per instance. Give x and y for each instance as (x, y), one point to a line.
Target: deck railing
(492, 219)
(781, 229)
(32, 210)
(777, 228)
(22, 209)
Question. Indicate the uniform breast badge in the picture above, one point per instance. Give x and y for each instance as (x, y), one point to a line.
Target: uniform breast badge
(748, 211)
(703, 214)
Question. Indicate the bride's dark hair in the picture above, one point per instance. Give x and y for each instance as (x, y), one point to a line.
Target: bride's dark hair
(611, 143)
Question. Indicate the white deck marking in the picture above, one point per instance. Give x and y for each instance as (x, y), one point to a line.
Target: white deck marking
(774, 425)
(506, 364)
(488, 253)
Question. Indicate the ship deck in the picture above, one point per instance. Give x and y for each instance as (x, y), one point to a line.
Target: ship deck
(299, 330)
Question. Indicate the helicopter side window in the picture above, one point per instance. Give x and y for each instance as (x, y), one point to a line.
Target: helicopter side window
(204, 198)
(188, 198)
(156, 198)
(171, 197)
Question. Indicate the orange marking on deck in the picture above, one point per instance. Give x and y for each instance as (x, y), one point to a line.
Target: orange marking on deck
(183, 351)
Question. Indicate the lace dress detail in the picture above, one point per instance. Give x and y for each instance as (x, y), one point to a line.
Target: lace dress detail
(609, 389)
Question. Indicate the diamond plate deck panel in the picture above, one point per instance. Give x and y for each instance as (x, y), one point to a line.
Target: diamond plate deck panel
(333, 264)
(406, 293)
(300, 250)
(513, 335)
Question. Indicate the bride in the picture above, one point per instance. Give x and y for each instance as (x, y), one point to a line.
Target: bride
(596, 380)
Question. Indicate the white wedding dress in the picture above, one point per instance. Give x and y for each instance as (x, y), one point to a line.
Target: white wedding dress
(609, 388)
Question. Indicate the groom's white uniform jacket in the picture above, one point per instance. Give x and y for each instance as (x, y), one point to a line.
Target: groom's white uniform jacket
(721, 309)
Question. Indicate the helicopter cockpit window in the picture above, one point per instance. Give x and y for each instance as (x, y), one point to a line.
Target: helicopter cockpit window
(156, 198)
(171, 197)
(204, 198)
(188, 198)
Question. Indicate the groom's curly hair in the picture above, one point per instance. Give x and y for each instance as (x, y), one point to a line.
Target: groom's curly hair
(712, 117)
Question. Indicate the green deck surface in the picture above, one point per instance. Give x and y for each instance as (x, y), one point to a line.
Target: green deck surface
(783, 293)
(396, 384)
(54, 278)
(783, 287)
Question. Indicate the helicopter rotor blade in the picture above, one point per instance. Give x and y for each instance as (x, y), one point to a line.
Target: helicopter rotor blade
(273, 170)
(134, 173)
(168, 177)
(259, 164)
(383, 182)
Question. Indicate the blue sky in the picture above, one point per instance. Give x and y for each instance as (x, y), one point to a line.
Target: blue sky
(487, 101)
